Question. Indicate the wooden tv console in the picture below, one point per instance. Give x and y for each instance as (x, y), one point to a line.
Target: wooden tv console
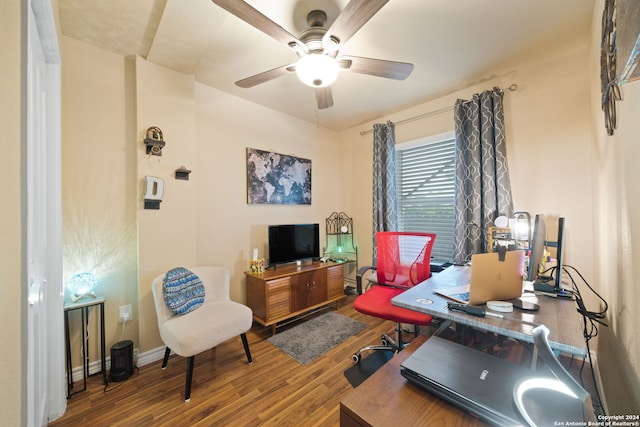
(291, 290)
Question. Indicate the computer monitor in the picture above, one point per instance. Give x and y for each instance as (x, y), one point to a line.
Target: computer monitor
(538, 243)
(559, 255)
(547, 285)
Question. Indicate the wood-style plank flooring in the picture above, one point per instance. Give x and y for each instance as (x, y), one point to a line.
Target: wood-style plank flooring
(274, 391)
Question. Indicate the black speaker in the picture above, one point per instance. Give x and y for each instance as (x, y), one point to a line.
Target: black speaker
(121, 360)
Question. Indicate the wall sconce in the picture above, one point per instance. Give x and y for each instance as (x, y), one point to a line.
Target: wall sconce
(154, 141)
(82, 285)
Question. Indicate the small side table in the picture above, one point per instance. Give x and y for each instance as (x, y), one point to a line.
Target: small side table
(83, 305)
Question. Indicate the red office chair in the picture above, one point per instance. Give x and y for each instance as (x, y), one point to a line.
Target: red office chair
(403, 261)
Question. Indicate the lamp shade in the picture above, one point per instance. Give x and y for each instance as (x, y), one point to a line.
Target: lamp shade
(82, 284)
(317, 70)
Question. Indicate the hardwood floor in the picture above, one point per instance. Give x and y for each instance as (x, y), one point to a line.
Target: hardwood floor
(274, 391)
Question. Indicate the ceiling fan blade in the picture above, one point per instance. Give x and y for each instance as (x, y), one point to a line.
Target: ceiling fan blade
(256, 19)
(350, 20)
(376, 67)
(324, 97)
(266, 76)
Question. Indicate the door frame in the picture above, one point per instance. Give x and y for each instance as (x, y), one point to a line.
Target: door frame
(44, 393)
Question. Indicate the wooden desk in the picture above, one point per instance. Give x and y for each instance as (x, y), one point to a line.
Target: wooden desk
(386, 398)
(559, 315)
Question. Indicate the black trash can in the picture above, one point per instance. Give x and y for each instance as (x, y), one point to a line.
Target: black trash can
(121, 360)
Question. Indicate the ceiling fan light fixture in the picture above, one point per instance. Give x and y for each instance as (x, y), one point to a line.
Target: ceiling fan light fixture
(317, 70)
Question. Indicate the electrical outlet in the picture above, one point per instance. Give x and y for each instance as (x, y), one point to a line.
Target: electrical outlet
(125, 313)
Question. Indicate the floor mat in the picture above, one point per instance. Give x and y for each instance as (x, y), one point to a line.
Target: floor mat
(367, 366)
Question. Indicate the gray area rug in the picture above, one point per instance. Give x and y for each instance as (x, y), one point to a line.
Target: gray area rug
(311, 339)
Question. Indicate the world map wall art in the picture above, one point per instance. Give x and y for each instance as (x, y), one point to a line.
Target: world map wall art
(277, 179)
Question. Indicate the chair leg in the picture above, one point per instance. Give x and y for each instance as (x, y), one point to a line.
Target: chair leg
(245, 344)
(187, 388)
(167, 352)
(399, 341)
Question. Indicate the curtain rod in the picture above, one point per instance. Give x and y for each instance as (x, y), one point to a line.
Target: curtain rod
(511, 88)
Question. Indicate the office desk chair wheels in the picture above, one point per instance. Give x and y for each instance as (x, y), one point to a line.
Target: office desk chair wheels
(387, 343)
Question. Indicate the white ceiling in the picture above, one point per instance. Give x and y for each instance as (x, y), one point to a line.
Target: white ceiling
(452, 43)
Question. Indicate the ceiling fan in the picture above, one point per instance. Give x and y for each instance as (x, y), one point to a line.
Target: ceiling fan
(318, 48)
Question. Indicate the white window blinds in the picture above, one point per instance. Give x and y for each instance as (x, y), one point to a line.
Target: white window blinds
(425, 174)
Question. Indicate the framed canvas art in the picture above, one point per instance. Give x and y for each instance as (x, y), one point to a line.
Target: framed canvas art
(277, 179)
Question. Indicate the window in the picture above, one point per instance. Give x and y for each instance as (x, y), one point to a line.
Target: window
(425, 181)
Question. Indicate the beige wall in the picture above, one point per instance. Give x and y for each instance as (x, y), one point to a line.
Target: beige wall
(617, 236)
(166, 237)
(228, 227)
(13, 338)
(99, 182)
(550, 156)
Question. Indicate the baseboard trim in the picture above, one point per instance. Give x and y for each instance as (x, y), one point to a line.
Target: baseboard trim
(139, 359)
(150, 356)
(603, 401)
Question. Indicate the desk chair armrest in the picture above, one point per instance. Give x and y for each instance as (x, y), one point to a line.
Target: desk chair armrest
(359, 275)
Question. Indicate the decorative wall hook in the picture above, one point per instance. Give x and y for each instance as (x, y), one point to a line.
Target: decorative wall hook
(183, 173)
(154, 141)
(153, 190)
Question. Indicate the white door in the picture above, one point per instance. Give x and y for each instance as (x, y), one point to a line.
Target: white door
(45, 360)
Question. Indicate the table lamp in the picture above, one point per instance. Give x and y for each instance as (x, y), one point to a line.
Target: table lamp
(522, 227)
(82, 285)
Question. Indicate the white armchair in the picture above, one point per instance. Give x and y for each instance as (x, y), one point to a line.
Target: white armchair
(217, 320)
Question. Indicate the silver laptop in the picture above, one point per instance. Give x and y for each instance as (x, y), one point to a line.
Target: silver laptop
(476, 382)
(492, 279)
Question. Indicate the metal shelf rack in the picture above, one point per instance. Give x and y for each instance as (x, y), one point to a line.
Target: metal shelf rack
(340, 246)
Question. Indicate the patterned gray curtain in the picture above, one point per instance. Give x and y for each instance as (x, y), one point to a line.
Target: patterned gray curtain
(483, 189)
(384, 181)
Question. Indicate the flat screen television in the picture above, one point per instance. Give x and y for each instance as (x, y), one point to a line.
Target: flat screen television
(293, 242)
